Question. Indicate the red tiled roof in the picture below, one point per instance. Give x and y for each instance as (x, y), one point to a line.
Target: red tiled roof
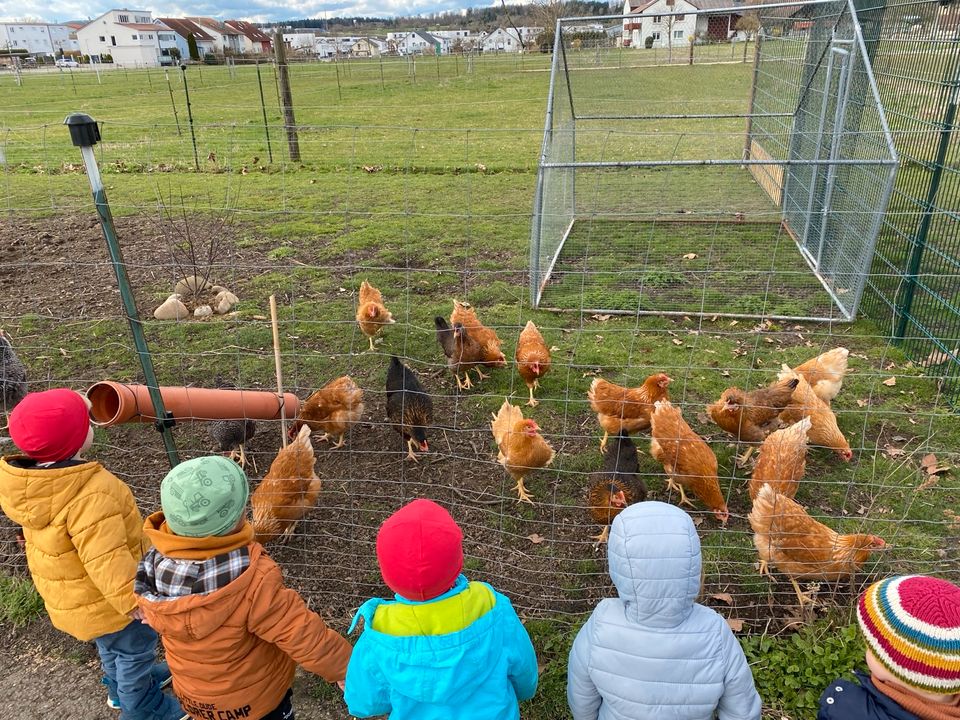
(184, 28)
(249, 29)
(216, 25)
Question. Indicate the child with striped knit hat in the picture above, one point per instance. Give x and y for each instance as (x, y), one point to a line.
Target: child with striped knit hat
(911, 625)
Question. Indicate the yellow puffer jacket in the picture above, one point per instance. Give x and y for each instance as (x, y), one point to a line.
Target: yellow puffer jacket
(84, 539)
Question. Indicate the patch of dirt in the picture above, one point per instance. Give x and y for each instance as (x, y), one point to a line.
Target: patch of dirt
(38, 662)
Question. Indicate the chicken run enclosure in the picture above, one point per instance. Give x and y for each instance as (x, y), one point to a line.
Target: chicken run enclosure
(767, 203)
(709, 221)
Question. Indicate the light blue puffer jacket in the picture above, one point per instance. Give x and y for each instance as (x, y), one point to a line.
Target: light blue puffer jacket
(653, 652)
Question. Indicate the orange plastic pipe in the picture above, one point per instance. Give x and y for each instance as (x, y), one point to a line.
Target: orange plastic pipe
(114, 403)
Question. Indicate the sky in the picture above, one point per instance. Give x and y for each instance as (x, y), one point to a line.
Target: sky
(253, 10)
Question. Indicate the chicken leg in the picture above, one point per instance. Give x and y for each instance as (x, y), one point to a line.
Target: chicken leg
(465, 384)
(339, 443)
(523, 495)
(480, 375)
(410, 454)
(370, 338)
(533, 402)
(677, 487)
(603, 536)
(603, 441)
(802, 597)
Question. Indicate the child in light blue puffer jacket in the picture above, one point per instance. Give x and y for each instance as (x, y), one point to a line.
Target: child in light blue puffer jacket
(653, 652)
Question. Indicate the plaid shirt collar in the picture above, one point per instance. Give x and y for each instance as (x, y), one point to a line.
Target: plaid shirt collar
(167, 578)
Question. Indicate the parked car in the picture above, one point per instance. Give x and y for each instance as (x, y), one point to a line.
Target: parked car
(67, 63)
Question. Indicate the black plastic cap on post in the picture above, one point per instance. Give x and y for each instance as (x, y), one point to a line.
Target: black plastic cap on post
(84, 130)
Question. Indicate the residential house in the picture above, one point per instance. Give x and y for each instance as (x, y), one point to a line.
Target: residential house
(39, 38)
(176, 35)
(127, 36)
(369, 47)
(501, 40)
(226, 39)
(254, 40)
(304, 41)
(420, 42)
(529, 35)
(677, 23)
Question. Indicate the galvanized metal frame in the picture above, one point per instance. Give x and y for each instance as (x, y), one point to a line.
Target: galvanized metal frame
(833, 162)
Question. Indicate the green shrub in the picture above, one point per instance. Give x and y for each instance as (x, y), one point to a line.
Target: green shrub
(791, 671)
(19, 601)
(210, 59)
(648, 42)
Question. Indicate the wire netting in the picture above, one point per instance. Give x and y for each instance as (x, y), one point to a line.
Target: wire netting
(422, 185)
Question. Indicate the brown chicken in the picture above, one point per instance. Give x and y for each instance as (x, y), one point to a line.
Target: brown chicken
(626, 410)
(751, 416)
(825, 373)
(802, 548)
(824, 431)
(618, 486)
(686, 458)
(462, 350)
(287, 492)
(522, 448)
(372, 314)
(490, 344)
(782, 460)
(332, 410)
(533, 358)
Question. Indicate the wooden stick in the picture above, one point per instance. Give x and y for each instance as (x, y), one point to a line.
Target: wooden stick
(279, 368)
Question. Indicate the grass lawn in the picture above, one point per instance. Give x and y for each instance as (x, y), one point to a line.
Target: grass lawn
(424, 186)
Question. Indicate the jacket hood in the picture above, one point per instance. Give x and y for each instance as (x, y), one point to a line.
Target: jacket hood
(195, 617)
(434, 668)
(34, 496)
(654, 558)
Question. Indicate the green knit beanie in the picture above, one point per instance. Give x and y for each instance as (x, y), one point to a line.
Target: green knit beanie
(204, 496)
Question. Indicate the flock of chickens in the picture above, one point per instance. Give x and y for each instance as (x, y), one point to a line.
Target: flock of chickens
(781, 419)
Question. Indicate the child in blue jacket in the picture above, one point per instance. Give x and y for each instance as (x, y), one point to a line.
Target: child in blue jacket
(653, 653)
(444, 648)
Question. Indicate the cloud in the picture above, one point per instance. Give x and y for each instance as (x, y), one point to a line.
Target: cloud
(254, 10)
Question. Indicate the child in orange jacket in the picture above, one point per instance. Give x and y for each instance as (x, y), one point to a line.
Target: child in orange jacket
(232, 632)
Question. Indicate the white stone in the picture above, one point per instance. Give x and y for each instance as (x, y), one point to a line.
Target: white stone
(171, 309)
(203, 311)
(225, 302)
(191, 285)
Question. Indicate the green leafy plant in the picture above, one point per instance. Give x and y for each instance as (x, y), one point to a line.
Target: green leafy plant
(791, 671)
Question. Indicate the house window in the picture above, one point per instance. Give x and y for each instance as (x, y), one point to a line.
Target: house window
(102, 39)
(679, 18)
(149, 37)
(656, 19)
(113, 40)
(134, 37)
(123, 18)
(656, 36)
(678, 34)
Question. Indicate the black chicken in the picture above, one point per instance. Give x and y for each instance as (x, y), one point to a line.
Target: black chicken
(409, 408)
(232, 434)
(618, 486)
(13, 376)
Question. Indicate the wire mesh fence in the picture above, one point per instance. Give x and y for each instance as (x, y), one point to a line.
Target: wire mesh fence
(425, 191)
(625, 170)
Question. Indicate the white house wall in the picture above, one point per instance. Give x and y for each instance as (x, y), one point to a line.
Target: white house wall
(666, 30)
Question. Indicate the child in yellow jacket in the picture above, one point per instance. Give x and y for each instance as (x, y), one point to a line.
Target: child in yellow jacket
(83, 538)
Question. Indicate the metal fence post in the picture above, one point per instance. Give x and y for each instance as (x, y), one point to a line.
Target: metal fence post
(85, 134)
(263, 107)
(905, 304)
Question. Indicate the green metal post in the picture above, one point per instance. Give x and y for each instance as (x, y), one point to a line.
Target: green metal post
(905, 304)
(85, 134)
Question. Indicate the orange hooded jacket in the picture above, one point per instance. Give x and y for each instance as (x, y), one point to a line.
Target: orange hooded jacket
(233, 652)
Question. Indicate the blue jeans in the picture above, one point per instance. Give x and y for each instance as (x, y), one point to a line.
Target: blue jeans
(127, 658)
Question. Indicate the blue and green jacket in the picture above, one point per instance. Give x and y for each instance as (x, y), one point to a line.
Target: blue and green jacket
(461, 656)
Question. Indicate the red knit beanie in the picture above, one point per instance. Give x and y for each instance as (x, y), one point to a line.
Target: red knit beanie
(50, 426)
(420, 551)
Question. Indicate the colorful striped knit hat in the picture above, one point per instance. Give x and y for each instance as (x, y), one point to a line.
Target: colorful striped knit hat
(912, 626)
